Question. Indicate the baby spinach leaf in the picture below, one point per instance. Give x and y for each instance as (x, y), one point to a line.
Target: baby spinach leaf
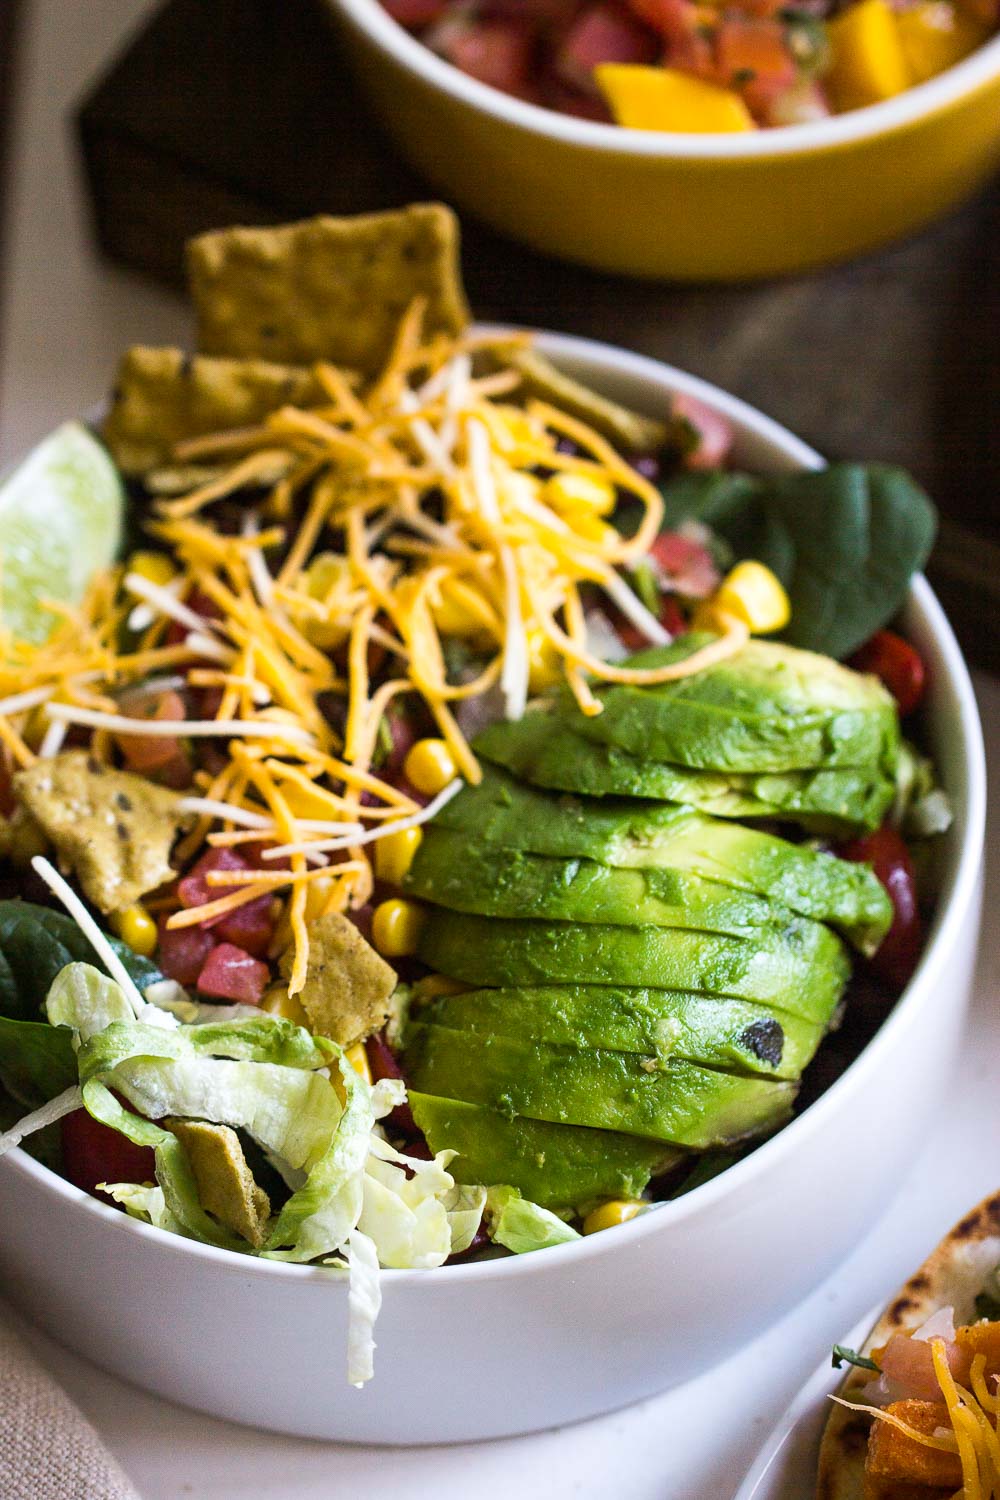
(845, 541)
(37, 1060)
(35, 943)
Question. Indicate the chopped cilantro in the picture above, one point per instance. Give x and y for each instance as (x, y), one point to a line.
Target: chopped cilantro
(845, 1356)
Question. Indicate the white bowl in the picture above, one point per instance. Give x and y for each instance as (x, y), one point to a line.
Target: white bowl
(508, 1346)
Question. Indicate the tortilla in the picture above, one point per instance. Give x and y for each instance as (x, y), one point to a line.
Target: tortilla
(953, 1276)
(326, 289)
(226, 1186)
(163, 396)
(631, 431)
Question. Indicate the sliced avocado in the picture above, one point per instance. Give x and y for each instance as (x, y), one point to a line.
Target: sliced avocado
(733, 1034)
(543, 749)
(800, 967)
(769, 707)
(503, 814)
(677, 1102)
(451, 871)
(558, 1166)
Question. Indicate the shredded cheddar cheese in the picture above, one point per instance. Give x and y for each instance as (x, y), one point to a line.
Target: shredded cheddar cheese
(378, 526)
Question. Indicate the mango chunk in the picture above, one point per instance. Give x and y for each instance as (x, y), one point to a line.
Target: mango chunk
(934, 36)
(867, 63)
(642, 98)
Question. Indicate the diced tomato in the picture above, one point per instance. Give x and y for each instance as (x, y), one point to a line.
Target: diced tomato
(249, 926)
(889, 857)
(713, 433)
(687, 564)
(383, 1064)
(230, 973)
(93, 1153)
(909, 1362)
(898, 664)
(194, 889)
(415, 13)
(495, 52)
(570, 101)
(671, 618)
(600, 34)
(687, 31)
(182, 951)
(753, 57)
(152, 752)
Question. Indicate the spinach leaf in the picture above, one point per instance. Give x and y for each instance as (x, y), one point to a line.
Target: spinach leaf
(44, 1145)
(844, 541)
(35, 943)
(37, 1060)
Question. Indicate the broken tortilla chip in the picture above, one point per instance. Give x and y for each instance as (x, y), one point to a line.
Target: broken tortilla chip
(348, 986)
(326, 289)
(163, 396)
(631, 431)
(226, 1186)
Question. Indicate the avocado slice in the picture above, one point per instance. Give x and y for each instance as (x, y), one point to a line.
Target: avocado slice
(502, 814)
(558, 1166)
(799, 966)
(769, 707)
(450, 871)
(545, 750)
(733, 1034)
(679, 1102)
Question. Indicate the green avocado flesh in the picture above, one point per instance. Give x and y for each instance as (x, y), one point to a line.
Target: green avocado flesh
(544, 749)
(558, 1166)
(467, 859)
(679, 1102)
(767, 708)
(733, 1034)
(800, 966)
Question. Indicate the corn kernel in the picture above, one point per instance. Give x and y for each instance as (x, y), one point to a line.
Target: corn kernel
(136, 927)
(155, 567)
(394, 854)
(572, 492)
(429, 766)
(396, 928)
(708, 616)
(278, 1002)
(358, 1059)
(754, 595)
(615, 1211)
(454, 613)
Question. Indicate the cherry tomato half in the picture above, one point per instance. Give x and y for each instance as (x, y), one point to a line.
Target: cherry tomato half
(899, 666)
(889, 857)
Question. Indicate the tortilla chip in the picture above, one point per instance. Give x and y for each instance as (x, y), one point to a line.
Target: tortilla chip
(115, 830)
(348, 986)
(952, 1276)
(628, 430)
(326, 289)
(226, 1186)
(163, 396)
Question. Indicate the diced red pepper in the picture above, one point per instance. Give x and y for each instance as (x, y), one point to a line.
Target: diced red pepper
(182, 951)
(889, 857)
(194, 890)
(899, 666)
(152, 752)
(713, 433)
(230, 973)
(603, 33)
(250, 926)
(93, 1152)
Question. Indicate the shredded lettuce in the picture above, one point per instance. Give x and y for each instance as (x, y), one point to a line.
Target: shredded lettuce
(522, 1226)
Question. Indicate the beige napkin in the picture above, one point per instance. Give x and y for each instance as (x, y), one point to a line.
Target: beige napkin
(48, 1449)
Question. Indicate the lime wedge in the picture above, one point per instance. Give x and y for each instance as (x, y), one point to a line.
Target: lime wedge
(60, 523)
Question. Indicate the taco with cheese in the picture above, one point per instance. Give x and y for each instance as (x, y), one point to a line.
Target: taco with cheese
(917, 1416)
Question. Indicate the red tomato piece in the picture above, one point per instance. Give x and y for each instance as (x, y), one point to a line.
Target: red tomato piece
(415, 13)
(713, 431)
(152, 752)
(249, 927)
(898, 664)
(495, 52)
(603, 33)
(93, 1153)
(182, 951)
(688, 564)
(753, 58)
(230, 973)
(201, 605)
(194, 889)
(671, 618)
(889, 857)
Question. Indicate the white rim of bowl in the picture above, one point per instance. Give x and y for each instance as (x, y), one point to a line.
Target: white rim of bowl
(906, 1011)
(964, 78)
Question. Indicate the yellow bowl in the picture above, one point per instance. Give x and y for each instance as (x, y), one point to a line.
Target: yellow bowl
(686, 207)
